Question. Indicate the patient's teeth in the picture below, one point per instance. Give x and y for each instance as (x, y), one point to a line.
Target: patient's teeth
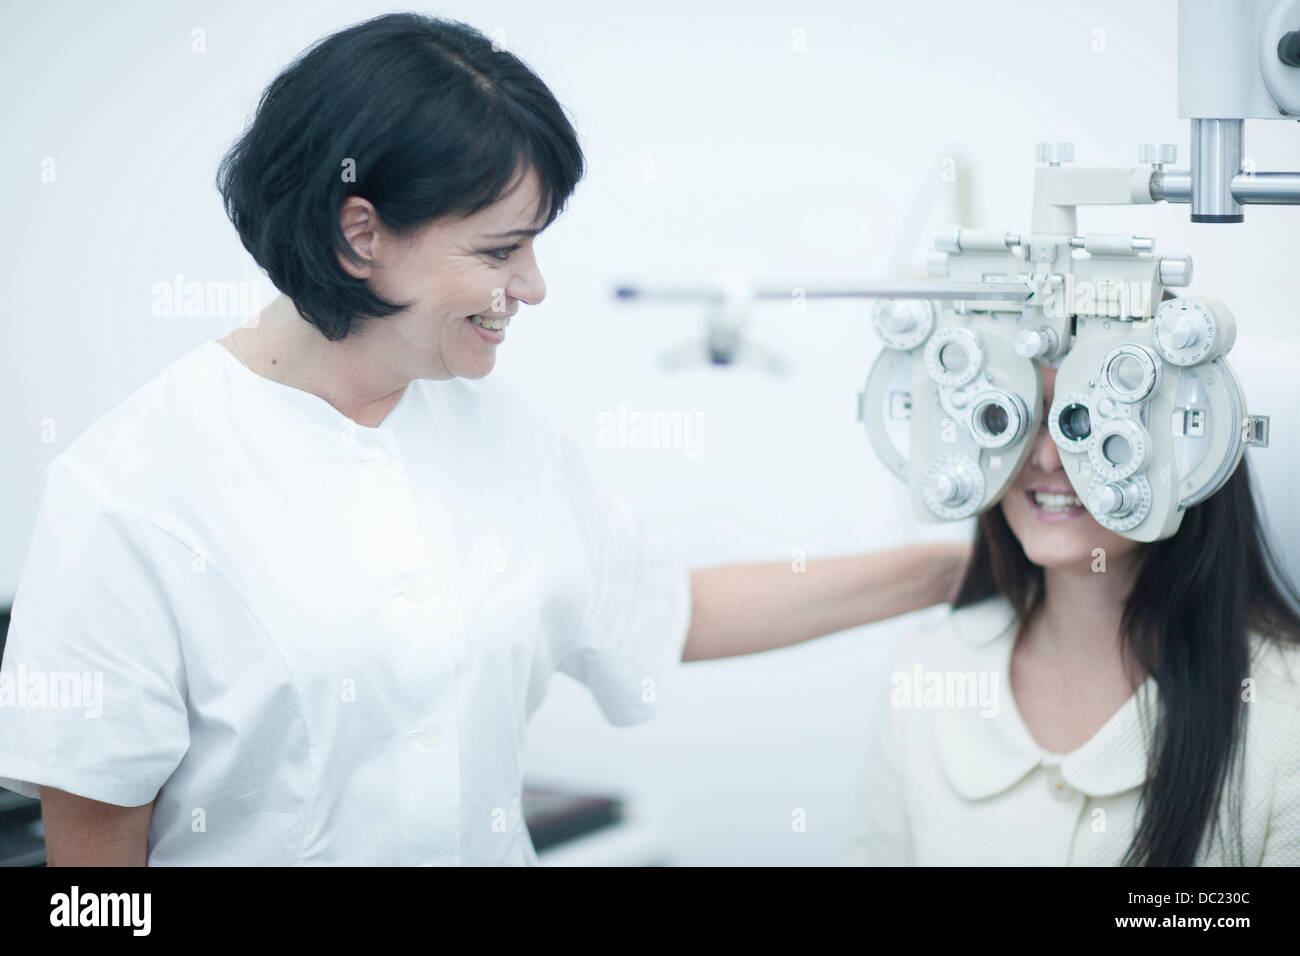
(1054, 502)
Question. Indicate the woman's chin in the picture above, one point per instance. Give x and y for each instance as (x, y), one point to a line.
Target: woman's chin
(1059, 551)
(473, 366)
(1054, 543)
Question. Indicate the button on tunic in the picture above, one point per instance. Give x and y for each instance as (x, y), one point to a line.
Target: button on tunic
(320, 642)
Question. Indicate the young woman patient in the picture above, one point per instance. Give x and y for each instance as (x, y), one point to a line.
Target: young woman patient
(1094, 700)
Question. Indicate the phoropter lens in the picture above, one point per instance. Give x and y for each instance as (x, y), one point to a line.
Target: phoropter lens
(1076, 424)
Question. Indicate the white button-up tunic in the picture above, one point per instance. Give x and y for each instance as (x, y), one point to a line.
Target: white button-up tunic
(320, 642)
(956, 778)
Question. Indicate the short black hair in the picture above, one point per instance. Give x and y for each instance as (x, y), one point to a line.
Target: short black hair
(438, 122)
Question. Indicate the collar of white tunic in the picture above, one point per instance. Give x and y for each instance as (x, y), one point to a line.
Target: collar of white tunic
(314, 408)
(982, 755)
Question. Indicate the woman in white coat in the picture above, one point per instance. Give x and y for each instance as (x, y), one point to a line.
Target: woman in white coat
(319, 574)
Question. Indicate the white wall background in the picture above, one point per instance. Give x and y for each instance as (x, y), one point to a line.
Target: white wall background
(781, 164)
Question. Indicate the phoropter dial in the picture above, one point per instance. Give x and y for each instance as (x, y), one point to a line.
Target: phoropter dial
(903, 324)
(954, 356)
(1192, 331)
(998, 419)
(1119, 505)
(952, 487)
(1131, 372)
(1120, 448)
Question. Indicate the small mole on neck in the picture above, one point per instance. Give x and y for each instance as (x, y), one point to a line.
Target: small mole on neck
(273, 361)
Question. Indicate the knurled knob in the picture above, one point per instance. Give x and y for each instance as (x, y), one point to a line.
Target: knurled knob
(1054, 153)
(1157, 154)
(1109, 499)
(948, 488)
(1031, 343)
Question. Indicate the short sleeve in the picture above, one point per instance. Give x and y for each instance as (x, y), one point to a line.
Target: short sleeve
(639, 610)
(879, 834)
(92, 690)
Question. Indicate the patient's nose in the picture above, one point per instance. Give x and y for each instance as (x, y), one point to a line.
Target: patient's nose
(1045, 455)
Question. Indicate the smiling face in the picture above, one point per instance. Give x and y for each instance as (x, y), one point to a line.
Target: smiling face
(1054, 528)
(482, 265)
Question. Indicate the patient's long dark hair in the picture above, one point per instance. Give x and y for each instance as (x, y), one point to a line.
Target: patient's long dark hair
(1187, 619)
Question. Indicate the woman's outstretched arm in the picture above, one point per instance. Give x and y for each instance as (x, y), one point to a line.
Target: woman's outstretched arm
(745, 608)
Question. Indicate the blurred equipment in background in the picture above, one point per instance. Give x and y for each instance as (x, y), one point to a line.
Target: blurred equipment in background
(1148, 415)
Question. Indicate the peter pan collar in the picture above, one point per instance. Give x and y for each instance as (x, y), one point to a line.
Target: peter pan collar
(982, 756)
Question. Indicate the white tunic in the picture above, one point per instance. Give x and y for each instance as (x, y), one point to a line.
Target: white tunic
(956, 779)
(319, 642)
